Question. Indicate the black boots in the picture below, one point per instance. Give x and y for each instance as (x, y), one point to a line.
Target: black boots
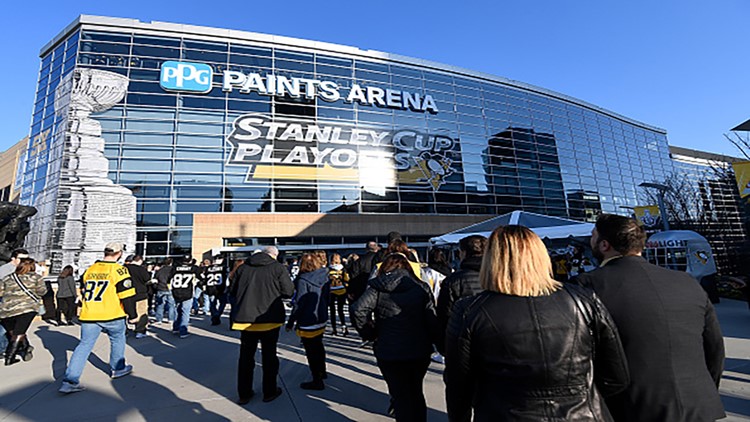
(25, 351)
(12, 350)
(18, 347)
(316, 383)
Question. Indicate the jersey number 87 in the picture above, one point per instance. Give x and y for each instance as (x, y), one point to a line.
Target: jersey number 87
(94, 290)
(182, 281)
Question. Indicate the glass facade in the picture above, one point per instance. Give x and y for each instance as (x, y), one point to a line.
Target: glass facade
(491, 147)
(704, 198)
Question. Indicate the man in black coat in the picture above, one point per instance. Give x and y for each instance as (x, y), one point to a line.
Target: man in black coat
(668, 327)
(462, 283)
(140, 278)
(258, 312)
(360, 271)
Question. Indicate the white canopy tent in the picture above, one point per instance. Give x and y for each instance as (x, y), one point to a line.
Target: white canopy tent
(543, 225)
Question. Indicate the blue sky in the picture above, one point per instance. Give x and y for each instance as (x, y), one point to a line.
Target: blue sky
(679, 65)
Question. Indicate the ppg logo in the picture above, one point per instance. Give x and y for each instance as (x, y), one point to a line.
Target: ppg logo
(185, 76)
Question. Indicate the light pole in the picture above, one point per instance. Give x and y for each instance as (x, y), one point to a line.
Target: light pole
(660, 189)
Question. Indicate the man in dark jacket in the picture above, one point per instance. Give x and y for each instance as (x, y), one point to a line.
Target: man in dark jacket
(140, 277)
(462, 283)
(360, 272)
(163, 295)
(668, 327)
(258, 312)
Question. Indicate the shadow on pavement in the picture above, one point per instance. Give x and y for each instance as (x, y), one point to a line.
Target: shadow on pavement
(734, 318)
(212, 363)
(59, 344)
(736, 405)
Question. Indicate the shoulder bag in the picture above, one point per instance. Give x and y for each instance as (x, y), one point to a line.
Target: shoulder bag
(31, 294)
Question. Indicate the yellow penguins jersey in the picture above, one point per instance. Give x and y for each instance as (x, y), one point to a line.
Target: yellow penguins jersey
(105, 284)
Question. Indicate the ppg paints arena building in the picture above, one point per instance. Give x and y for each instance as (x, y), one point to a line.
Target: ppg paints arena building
(231, 138)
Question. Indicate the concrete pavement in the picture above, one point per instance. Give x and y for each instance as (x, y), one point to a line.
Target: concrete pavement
(194, 378)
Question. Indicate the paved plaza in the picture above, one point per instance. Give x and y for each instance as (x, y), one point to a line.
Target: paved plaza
(195, 379)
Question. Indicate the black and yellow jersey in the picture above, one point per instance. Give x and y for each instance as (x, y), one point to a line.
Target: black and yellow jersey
(214, 276)
(183, 281)
(106, 285)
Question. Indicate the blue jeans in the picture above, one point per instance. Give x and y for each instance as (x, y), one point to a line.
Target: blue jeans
(183, 316)
(218, 303)
(89, 333)
(3, 339)
(196, 300)
(162, 299)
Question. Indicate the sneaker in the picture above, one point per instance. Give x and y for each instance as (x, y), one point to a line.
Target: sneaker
(175, 331)
(140, 335)
(437, 357)
(186, 335)
(69, 387)
(122, 372)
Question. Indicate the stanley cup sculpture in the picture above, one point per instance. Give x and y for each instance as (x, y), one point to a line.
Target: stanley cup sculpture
(94, 209)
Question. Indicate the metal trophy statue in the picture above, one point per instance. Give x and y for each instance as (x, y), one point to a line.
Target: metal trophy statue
(95, 210)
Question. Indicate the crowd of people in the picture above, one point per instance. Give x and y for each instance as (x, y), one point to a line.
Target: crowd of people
(627, 341)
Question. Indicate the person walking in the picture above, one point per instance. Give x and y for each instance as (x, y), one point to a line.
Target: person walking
(6, 269)
(201, 303)
(67, 292)
(397, 311)
(668, 327)
(140, 278)
(310, 313)
(21, 293)
(184, 278)
(256, 292)
(216, 289)
(462, 283)
(360, 272)
(436, 270)
(339, 278)
(107, 300)
(164, 299)
(526, 348)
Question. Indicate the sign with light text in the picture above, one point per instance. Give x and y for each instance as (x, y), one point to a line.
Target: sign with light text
(299, 149)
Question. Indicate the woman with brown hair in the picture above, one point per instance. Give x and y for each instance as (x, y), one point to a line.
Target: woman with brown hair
(66, 296)
(21, 294)
(526, 347)
(310, 313)
(404, 328)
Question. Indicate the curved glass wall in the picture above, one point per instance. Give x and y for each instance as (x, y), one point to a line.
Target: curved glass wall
(487, 147)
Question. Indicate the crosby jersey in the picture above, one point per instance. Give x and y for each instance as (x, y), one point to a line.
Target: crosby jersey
(105, 286)
(215, 280)
(184, 279)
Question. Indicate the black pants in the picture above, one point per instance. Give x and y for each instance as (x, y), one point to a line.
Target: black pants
(248, 347)
(18, 324)
(316, 356)
(337, 303)
(405, 379)
(66, 306)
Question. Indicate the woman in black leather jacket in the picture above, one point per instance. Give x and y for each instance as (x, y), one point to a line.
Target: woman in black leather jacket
(529, 348)
(404, 329)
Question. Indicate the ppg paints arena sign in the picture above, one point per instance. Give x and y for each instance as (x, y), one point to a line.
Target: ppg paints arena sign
(298, 149)
(198, 77)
